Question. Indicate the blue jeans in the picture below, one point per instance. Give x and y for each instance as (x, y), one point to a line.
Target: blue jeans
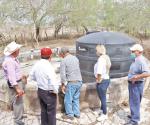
(71, 100)
(135, 96)
(101, 90)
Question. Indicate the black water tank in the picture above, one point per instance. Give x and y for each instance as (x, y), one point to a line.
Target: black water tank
(117, 46)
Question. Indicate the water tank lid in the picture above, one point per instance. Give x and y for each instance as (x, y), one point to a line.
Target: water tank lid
(106, 38)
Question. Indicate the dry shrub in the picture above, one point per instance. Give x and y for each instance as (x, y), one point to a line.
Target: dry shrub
(77, 35)
(147, 52)
(64, 36)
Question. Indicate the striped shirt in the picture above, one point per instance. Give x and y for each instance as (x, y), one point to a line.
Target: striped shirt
(70, 69)
(12, 70)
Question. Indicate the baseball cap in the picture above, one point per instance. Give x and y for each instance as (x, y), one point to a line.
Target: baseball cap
(137, 47)
(46, 52)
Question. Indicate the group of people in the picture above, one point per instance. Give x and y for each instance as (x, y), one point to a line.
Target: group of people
(71, 82)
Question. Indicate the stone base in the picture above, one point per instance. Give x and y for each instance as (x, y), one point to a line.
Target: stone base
(116, 94)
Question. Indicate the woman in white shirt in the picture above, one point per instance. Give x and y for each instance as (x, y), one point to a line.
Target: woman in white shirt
(101, 72)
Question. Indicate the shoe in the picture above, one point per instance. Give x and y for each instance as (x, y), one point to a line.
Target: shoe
(131, 123)
(68, 117)
(102, 117)
(100, 113)
(77, 116)
(129, 116)
(24, 116)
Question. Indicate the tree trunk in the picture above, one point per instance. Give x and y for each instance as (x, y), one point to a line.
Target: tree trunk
(32, 40)
(77, 29)
(46, 35)
(57, 29)
(37, 33)
(16, 38)
(145, 33)
(85, 28)
(62, 31)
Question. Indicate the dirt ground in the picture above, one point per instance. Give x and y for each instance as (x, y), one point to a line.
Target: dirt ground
(54, 43)
(146, 45)
(51, 43)
(147, 95)
(72, 42)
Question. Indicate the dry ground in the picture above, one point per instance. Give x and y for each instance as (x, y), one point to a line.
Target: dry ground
(72, 42)
(58, 43)
(50, 43)
(146, 45)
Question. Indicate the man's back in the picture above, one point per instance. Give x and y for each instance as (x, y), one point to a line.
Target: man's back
(43, 73)
(72, 69)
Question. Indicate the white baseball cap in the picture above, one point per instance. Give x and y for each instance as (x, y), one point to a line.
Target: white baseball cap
(137, 47)
(11, 47)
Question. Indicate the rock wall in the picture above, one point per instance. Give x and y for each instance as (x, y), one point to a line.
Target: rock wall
(116, 94)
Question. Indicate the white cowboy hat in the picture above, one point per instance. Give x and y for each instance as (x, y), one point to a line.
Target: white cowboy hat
(137, 47)
(11, 47)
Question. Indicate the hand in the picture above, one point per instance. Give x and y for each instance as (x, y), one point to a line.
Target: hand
(19, 92)
(98, 81)
(135, 78)
(63, 89)
(24, 78)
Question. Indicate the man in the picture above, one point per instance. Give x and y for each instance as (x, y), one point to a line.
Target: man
(71, 83)
(15, 80)
(138, 71)
(43, 73)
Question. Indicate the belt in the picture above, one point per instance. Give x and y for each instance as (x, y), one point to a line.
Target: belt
(47, 91)
(9, 84)
(136, 82)
(19, 80)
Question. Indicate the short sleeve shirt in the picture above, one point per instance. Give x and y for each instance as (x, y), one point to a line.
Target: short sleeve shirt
(139, 66)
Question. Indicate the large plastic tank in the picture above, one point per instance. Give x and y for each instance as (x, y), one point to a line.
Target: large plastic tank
(117, 46)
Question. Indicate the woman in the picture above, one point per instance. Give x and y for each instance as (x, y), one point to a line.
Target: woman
(101, 72)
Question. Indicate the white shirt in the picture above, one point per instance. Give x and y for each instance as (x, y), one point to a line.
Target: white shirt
(43, 73)
(100, 68)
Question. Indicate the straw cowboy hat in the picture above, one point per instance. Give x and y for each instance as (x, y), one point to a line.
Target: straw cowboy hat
(11, 47)
(137, 47)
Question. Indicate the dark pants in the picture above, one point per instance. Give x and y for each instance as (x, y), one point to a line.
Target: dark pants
(135, 96)
(48, 107)
(101, 90)
(61, 97)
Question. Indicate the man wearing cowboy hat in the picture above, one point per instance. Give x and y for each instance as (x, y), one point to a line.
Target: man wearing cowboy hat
(15, 80)
(138, 71)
